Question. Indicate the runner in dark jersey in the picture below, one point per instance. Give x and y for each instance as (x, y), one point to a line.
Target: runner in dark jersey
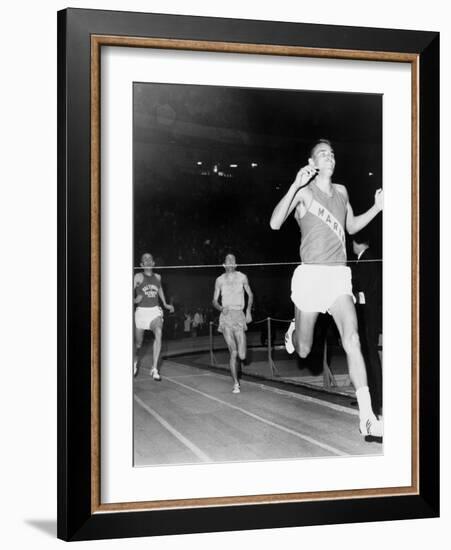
(323, 281)
(148, 314)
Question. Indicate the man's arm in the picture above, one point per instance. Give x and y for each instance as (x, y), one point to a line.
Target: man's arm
(163, 299)
(137, 280)
(355, 223)
(216, 294)
(250, 299)
(291, 198)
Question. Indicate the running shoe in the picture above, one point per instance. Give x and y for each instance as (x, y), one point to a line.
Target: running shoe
(372, 427)
(236, 388)
(155, 375)
(289, 338)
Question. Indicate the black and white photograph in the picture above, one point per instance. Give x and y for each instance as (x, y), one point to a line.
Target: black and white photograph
(257, 274)
(189, 144)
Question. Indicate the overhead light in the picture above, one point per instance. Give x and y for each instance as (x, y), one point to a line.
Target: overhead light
(234, 166)
(254, 165)
(215, 168)
(370, 174)
(199, 163)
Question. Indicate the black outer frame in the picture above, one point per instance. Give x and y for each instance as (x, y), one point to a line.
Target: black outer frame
(75, 520)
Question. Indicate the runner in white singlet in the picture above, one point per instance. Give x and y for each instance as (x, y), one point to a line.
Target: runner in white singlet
(323, 281)
(230, 286)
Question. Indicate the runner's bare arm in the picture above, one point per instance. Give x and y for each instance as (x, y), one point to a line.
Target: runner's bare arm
(137, 280)
(355, 223)
(292, 197)
(216, 294)
(250, 299)
(163, 299)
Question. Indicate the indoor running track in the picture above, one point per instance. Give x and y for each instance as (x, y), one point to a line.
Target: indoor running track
(191, 416)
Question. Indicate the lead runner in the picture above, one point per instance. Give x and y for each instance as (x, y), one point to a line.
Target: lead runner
(323, 281)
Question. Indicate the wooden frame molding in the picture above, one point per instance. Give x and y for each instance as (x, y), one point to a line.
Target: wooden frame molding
(97, 42)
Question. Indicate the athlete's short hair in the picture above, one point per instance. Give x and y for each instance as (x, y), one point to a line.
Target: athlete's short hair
(320, 142)
(230, 254)
(146, 254)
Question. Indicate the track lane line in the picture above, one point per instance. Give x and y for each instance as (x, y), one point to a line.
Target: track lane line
(287, 393)
(295, 433)
(308, 399)
(184, 440)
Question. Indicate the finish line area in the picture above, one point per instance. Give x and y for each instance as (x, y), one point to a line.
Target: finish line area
(283, 411)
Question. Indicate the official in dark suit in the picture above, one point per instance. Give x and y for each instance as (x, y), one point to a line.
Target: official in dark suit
(367, 287)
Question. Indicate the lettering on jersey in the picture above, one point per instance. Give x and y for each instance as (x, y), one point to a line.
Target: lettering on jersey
(150, 290)
(329, 219)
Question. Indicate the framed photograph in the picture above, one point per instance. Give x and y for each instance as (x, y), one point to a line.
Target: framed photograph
(248, 274)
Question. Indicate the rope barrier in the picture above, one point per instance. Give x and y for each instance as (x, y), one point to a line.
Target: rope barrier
(262, 264)
(260, 321)
(271, 319)
(328, 377)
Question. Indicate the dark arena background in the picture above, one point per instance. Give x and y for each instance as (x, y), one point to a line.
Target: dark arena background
(210, 164)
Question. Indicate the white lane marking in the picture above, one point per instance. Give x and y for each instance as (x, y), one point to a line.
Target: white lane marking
(264, 420)
(301, 397)
(146, 376)
(191, 446)
(191, 375)
(309, 399)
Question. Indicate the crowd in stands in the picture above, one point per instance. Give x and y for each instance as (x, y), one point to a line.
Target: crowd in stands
(185, 233)
(189, 322)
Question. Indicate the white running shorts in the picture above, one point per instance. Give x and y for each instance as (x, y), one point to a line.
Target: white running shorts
(316, 287)
(146, 316)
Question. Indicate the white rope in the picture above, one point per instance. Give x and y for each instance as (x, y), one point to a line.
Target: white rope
(260, 321)
(198, 266)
